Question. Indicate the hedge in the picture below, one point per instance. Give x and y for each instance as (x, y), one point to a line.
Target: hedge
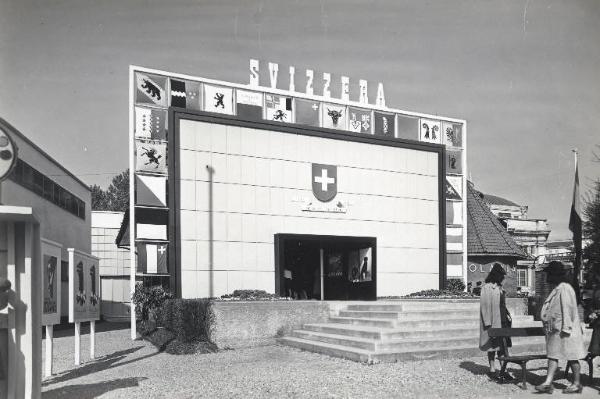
(189, 319)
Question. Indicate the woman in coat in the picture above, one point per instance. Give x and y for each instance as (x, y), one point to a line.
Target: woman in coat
(493, 314)
(564, 335)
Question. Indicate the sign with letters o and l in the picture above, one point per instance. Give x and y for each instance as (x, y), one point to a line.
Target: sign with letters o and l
(324, 181)
(8, 154)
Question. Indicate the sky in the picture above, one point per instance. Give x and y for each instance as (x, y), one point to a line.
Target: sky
(525, 74)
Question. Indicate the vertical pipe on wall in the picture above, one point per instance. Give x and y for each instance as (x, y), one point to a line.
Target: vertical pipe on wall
(322, 274)
(132, 259)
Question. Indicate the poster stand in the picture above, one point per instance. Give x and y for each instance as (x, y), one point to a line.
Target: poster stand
(51, 303)
(84, 297)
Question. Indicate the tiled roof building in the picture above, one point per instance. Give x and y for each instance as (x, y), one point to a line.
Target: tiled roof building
(486, 235)
(488, 242)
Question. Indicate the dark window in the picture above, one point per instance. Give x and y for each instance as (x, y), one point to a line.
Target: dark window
(38, 182)
(48, 189)
(28, 177)
(56, 197)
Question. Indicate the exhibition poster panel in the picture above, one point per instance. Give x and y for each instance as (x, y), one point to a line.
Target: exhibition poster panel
(51, 258)
(84, 287)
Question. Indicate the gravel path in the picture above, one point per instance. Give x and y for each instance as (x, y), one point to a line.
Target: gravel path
(134, 369)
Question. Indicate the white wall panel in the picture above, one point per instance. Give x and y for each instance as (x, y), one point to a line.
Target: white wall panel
(259, 188)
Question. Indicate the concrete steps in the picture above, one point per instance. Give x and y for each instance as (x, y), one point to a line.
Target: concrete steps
(404, 330)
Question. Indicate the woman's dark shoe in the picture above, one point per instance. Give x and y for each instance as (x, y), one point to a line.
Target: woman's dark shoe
(573, 388)
(544, 388)
(492, 375)
(506, 377)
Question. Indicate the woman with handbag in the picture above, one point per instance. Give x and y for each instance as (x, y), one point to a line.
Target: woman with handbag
(493, 314)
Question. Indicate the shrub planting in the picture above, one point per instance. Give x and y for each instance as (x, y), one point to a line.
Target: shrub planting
(190, 320)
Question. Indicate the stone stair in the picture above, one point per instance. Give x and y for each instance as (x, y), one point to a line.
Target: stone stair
(390, 331)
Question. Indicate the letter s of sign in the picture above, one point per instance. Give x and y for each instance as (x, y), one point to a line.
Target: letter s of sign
(254, 77)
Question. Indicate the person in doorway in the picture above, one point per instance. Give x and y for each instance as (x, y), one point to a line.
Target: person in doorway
(493, 314)
(364, 270)
(564, 335)
(477, 289)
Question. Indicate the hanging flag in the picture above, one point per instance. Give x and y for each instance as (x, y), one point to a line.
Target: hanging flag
(334, 116)
(152, 258)
(185, 94)
(278, 108)
(454, 239)
(384, 124)
(151, 223)
(451, 193)
(359, 120)
(150, 157)
(249, 105)
(150, 123)
(575, 226)
(150, 190)
(430, 131)
(407, 127)
(454, 212)
(150, 89)
(307, 112)
(457, 184)
(452, 133)
(218, 99)
(455, 259)
(454, 161)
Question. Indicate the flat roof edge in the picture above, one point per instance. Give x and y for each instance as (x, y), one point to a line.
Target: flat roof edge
(12, 130)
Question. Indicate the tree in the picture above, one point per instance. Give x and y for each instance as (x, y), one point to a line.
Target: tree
(99, 198)
(115, 198)
(591, 226)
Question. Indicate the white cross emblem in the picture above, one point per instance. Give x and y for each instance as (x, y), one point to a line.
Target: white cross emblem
(324, 180)
(315, 107)
(162, 249)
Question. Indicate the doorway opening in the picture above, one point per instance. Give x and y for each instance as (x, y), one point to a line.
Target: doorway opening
(325, 267)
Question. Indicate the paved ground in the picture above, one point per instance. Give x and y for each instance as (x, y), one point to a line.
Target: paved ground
(134, 369)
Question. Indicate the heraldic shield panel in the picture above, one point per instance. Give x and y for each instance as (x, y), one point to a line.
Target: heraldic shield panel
(84, 287)
(324, 181)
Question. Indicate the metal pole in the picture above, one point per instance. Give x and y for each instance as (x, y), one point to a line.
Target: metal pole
(322, 275)
(77, 342)
(49, 349)
(92, 339)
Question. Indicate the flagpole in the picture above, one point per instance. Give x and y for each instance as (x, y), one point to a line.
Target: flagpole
(576, 229)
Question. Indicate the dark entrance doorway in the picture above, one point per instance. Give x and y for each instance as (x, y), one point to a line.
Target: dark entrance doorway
(325, 267)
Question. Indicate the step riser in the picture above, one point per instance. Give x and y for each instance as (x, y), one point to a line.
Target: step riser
(467, 332)
(369, 314)
(335, 340)
(438, 315)
(436, 324)
(342, 331)
(377, 308)
(363, 322)
(424, 333)
(415, 346)
(314, 347)
(448, 353)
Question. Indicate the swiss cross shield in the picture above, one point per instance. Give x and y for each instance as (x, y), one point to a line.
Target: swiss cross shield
(324, 181)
